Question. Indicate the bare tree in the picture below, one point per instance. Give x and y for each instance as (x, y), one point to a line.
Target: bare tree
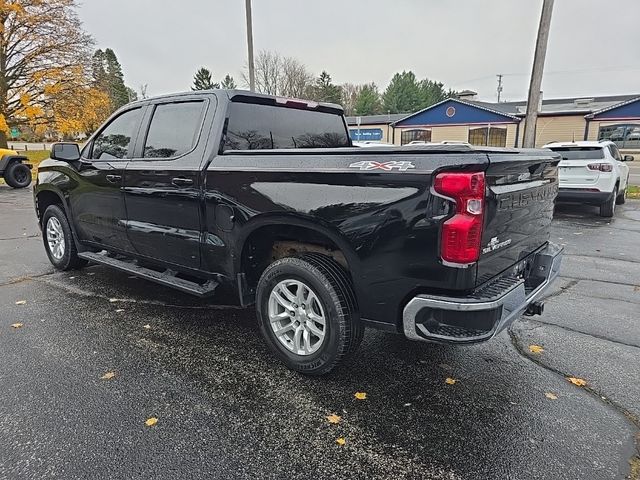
(350, 93)
(277, 75)
(268, 66)
(295, 78)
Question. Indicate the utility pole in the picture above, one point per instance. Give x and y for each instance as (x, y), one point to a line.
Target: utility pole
(252, 75)
(533, 100)
(499, 89)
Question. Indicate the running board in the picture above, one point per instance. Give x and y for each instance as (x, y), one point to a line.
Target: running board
(168, 277)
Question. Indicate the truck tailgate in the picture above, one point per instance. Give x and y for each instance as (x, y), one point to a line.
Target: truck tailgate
(521, 192)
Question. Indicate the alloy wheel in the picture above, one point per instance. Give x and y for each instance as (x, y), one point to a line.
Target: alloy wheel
(297, 317)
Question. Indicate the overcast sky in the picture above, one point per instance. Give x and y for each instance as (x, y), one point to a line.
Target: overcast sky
(594, 47)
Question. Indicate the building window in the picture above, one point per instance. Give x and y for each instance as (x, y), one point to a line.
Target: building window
(624, 135)
(417, 135)
(488, 136)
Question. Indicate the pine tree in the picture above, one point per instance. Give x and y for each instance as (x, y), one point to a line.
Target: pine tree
(324, 90)
(108, 77)
(117, 89)
(368, 100)
(202, 80)
(403, 94)
(228, 83)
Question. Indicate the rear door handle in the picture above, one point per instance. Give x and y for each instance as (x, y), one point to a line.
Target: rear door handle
(181, 181)
(114, 178)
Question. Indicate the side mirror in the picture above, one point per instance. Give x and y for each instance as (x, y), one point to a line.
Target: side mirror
(627, 158)
(65, 151)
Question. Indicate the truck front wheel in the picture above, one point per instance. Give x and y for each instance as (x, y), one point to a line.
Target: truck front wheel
(58, 240)
(307, 313)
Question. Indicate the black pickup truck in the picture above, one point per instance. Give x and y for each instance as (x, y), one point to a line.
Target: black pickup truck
(265, 198)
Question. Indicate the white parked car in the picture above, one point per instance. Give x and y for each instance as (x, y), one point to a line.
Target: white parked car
(593, 173)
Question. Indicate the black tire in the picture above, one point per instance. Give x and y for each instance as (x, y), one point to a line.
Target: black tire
(69, 260)
(17, 175)
(608, 208)
(331, 284)
(622, 197)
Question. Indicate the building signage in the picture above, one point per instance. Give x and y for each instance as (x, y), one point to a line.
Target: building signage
(365, 134)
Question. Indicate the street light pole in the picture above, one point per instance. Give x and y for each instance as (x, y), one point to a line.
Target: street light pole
(252, 75)
(533, 100)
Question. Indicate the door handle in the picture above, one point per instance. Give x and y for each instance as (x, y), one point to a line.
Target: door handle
(114, 178)
(181, 181)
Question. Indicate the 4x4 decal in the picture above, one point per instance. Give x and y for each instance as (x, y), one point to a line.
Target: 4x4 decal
(386, 166)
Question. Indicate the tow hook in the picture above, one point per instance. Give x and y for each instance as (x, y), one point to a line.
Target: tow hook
(534, 308)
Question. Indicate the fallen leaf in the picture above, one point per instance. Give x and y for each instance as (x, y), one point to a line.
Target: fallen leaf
(550, 396)
(360, 395)
(21, 302)
(147, 326)
(150, 422)
(108, 376)
(450, 381)
(333, 418)
(577, 381)
(341, 441)
(536, 349)
(16, 325)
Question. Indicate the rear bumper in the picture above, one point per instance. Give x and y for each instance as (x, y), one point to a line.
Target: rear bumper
(481, 315)
(579, 195)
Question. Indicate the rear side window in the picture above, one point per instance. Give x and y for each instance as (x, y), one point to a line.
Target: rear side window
(174, 129)
(580, 153)
(114, 141)
(259, 127)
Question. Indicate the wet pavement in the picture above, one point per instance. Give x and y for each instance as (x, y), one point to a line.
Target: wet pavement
(227, 409)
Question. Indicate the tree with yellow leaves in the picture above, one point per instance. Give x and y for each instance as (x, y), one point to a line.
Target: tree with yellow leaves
(44, 60)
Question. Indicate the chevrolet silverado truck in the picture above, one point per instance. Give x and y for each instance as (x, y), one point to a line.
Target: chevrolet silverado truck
(265, 199)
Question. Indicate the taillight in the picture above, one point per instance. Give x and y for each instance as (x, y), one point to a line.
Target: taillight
(602, 167)
(461, 235)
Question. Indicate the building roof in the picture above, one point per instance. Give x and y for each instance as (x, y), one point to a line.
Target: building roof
(587, 106)
(553, 106)
(385, 119)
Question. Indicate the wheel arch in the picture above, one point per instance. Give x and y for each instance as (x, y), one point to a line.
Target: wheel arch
(8, 159)
(272, 237)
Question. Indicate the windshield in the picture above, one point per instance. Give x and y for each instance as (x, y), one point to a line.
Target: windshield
(580, 153)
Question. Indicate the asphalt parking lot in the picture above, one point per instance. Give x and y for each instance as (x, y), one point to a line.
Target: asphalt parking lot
(227, 409)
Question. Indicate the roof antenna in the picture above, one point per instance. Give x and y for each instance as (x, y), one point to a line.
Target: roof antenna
(573, 139)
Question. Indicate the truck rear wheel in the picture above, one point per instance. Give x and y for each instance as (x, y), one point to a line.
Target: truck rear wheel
(58, 240)
(17, 175)
(307, 313)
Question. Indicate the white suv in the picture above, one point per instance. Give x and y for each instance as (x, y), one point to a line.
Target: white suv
(593, 173)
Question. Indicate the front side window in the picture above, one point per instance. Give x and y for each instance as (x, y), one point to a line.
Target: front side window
(624, 135)
(174, 129)
(416, 135)
(488, 136)
(115, 141)
(259, 127)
